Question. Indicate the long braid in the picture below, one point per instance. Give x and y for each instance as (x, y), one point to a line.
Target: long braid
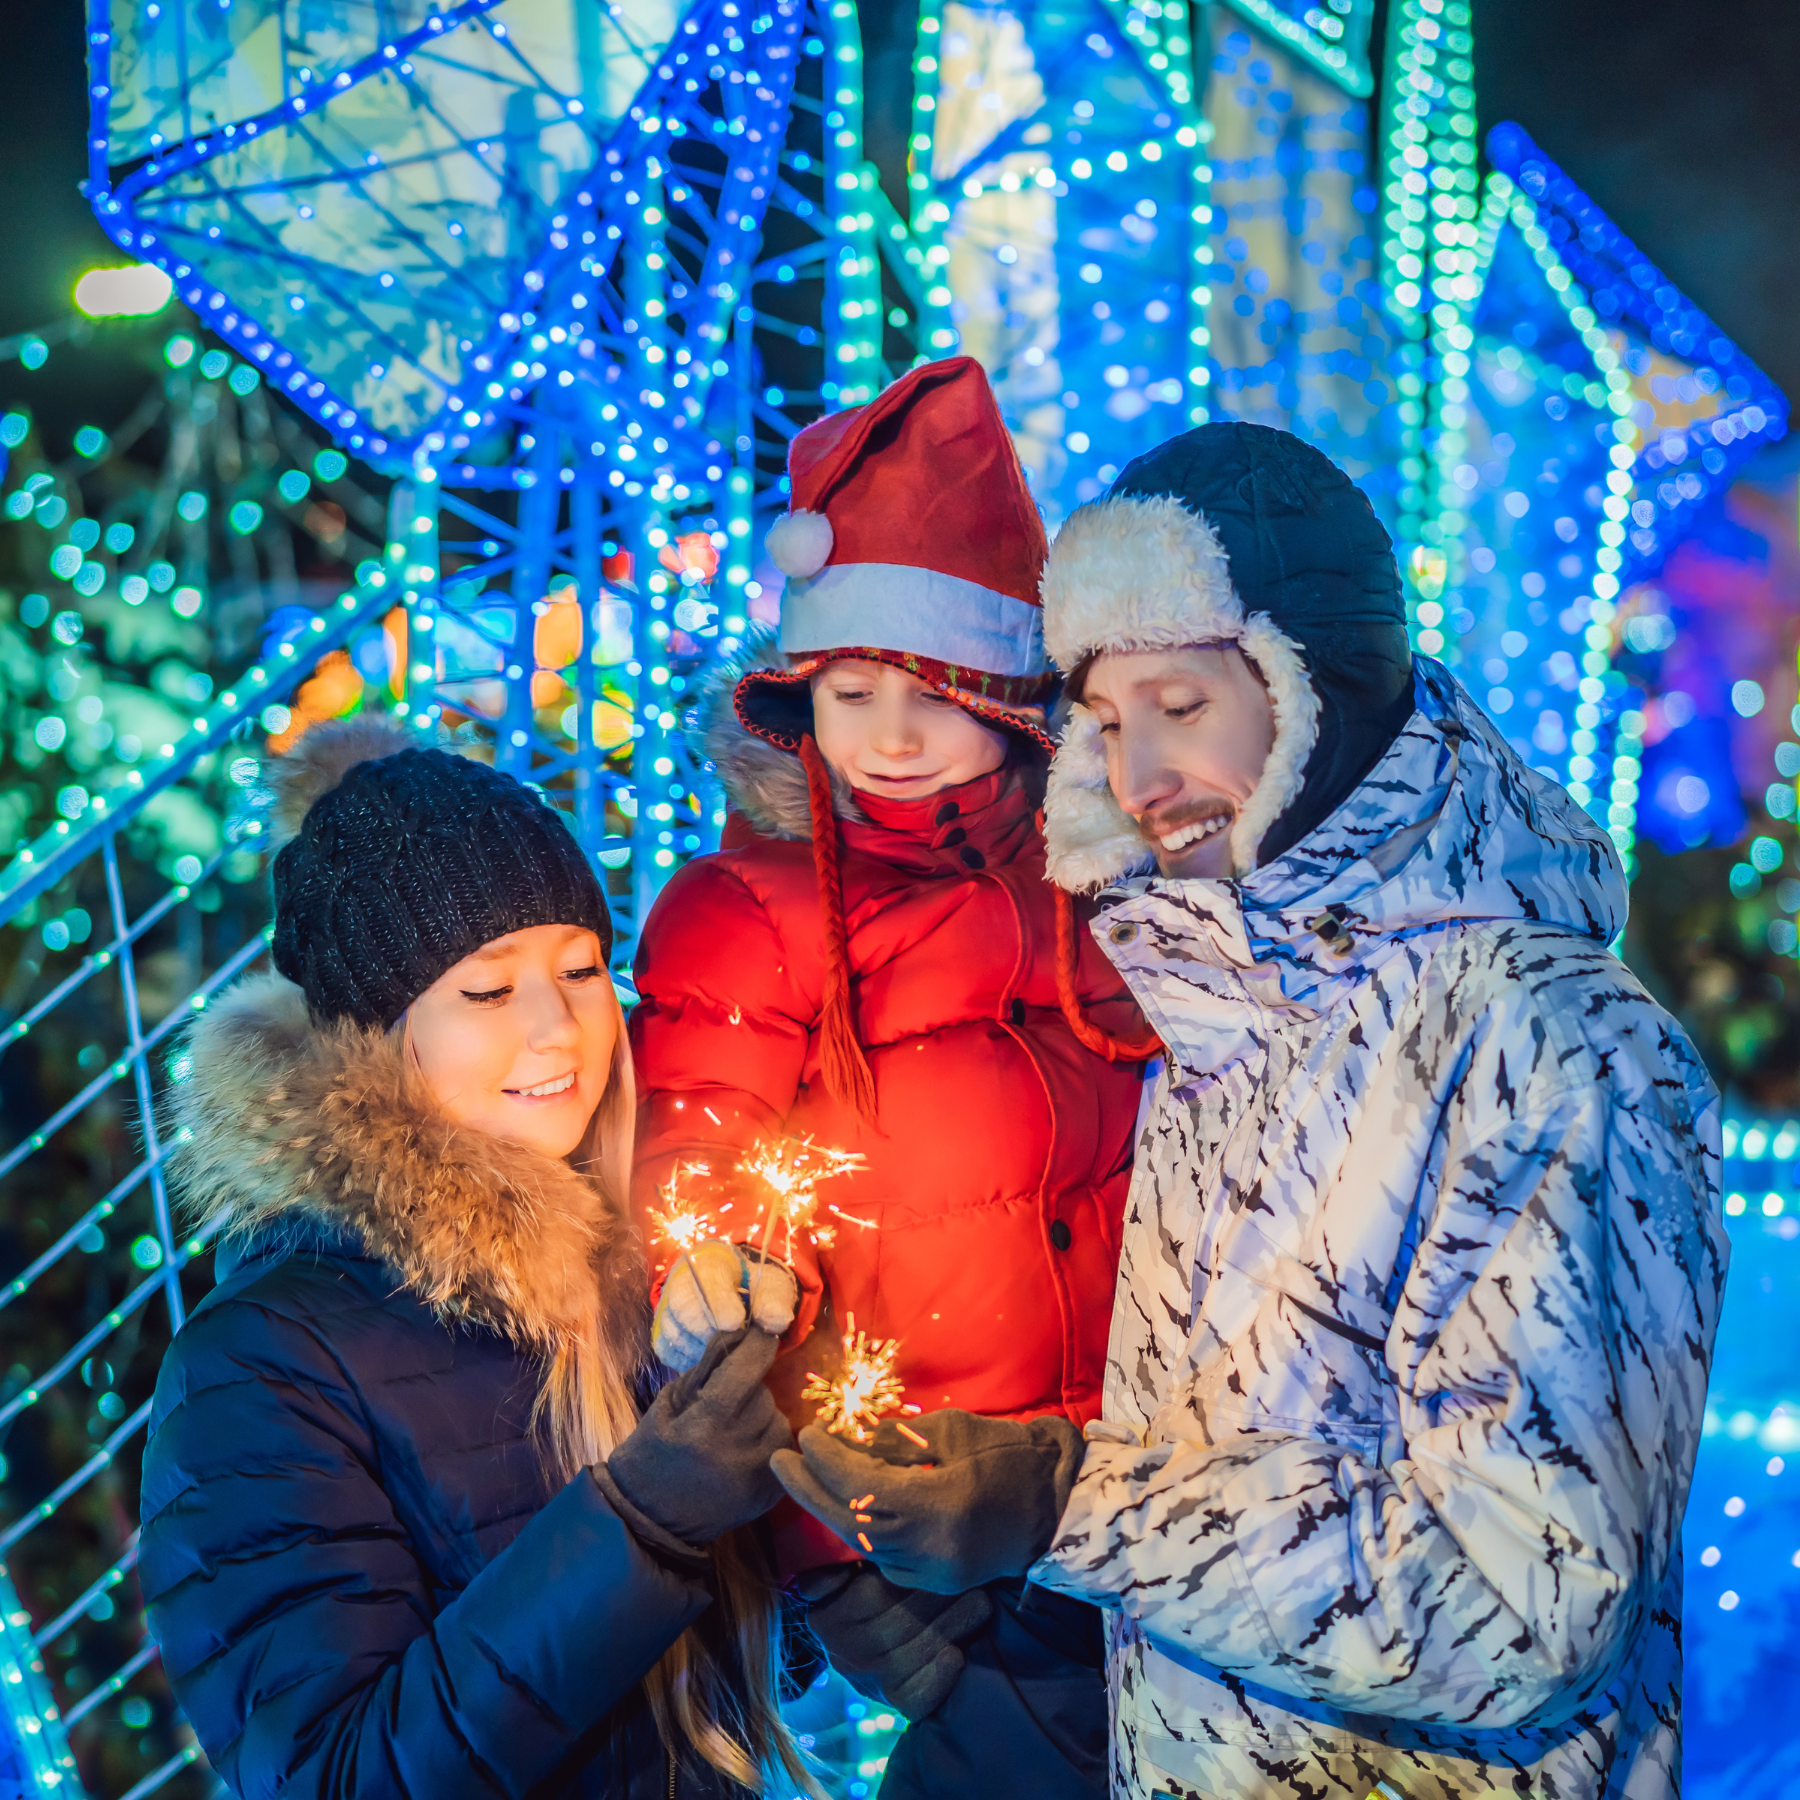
(846, 1068)
(1100, 1042)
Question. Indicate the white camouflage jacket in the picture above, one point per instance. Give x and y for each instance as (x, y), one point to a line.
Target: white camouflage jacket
(1421, 1269)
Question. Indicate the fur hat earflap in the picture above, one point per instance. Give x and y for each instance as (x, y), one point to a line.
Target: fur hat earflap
(1089, 840)
(324, 755)
(1134, 573)
(799, 544)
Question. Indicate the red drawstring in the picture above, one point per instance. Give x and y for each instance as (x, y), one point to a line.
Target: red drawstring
(846, 1069)
(1102, 1043)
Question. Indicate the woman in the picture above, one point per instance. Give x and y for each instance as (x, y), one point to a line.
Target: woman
(404, 1529)
(876, 960)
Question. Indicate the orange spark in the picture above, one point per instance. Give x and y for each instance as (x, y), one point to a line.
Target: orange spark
(850, 1402)
(790, 1171)
(682, 1224)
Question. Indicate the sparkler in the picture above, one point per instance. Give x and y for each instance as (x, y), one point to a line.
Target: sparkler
(790, 1170)
(682, 1224)
(852, 1401)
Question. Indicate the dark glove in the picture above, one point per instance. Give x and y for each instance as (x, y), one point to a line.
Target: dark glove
(977, 1502)
(698, 1461)
(892, 1644)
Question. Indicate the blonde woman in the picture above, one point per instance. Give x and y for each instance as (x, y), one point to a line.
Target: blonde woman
(414, 1522)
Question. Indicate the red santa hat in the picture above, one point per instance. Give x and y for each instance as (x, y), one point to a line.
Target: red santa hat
(912, 539)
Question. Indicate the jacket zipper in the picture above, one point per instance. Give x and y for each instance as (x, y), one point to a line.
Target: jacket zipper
(671, 1755)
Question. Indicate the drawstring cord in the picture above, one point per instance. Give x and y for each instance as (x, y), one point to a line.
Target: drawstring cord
(845, 1066)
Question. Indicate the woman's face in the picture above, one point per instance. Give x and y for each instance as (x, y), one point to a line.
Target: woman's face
(517, 1039)
(888, 732)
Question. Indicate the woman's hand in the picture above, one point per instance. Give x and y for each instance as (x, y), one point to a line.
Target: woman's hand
(718, 1287)
(698, 1462)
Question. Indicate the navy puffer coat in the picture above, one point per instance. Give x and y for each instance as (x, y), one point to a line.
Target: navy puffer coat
(363, 1579)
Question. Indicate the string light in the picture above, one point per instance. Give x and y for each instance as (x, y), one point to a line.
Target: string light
(1112, 126)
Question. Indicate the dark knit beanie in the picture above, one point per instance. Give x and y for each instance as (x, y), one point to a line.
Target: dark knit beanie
(396, 862)
(1305, 548)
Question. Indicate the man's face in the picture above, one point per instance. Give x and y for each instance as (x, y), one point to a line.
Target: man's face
(1187, 733)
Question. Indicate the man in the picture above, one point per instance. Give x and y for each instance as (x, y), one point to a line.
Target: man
(1422, 1257)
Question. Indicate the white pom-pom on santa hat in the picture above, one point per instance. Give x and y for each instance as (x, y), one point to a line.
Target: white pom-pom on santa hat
(799, 544)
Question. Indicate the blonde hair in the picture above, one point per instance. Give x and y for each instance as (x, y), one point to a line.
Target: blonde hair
(717, 1689)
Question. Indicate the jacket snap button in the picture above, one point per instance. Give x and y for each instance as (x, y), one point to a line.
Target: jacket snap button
(1018, 1012)
(1122, 934)
(1060, 1234)
(958, 836)
(971, 857)
(946, 813)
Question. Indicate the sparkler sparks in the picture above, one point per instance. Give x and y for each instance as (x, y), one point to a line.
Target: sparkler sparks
(852, 1401)
(790, 1171)
(680, 1223)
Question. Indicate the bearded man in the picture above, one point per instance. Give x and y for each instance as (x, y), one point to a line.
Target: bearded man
(1422, 1256)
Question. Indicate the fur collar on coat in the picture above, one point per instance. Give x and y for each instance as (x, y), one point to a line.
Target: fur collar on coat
(295, 1123)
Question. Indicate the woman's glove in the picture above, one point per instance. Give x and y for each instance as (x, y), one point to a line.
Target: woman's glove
(894, 1645)
(978, 1501)
(698, 1461)
(718, 1287)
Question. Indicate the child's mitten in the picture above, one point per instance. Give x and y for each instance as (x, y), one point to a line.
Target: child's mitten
(718, 1287)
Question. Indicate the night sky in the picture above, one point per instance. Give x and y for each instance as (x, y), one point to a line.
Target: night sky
(1680, 117)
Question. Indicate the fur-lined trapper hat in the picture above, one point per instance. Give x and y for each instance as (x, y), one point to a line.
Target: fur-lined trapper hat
(1237, 534)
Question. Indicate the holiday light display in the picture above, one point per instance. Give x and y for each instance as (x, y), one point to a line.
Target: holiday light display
(1585, 386)
(574, 294)
(1059, 184)
(1301, 336)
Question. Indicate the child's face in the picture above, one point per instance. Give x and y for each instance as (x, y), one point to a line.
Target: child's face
(517, 1039)
(888, 732)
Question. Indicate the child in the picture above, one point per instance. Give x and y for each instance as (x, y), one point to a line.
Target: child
(876, 961)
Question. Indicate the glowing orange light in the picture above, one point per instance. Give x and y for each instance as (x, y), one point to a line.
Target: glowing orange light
(851, 1403)
(693, 551)
(334, 689)
(556, 633)
(790, 1171)
(682, 1223)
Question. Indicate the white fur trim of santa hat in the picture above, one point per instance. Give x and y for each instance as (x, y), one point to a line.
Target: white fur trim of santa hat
(799, 544)
(1141, 572)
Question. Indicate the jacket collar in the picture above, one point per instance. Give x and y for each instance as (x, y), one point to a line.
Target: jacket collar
(322, 1137)
(974, 825)
(1450, 827)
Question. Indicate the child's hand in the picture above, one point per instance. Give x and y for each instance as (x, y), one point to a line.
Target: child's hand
(718, 1287)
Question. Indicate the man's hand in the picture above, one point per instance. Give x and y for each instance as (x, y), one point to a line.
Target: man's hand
(892, 1644)
(718, 1287)
(977, 1501)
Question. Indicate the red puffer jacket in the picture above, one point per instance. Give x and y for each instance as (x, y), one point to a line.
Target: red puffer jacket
(999, 1155)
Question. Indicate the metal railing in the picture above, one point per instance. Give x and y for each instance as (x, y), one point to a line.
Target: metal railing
(69, 1535)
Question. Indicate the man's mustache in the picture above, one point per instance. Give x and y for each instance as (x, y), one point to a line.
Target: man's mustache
(1156, 824)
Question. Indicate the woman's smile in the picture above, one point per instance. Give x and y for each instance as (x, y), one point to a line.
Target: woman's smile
(552, 1089)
